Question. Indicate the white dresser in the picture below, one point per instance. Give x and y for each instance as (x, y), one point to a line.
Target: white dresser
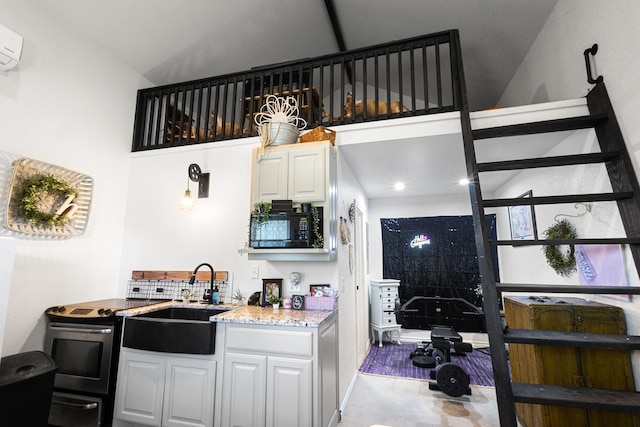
(383, 319)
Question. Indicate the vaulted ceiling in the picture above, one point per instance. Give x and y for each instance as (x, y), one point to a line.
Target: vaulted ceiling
(171, 41)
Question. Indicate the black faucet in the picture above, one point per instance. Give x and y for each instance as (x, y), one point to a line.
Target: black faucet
(207, 295)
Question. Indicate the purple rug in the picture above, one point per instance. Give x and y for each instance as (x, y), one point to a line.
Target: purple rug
(394, 360)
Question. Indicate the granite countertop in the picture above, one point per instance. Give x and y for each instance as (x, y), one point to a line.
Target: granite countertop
(248, 314)
(169, 304)
(255, 315)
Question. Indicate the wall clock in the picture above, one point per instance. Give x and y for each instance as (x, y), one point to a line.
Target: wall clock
(297, 302)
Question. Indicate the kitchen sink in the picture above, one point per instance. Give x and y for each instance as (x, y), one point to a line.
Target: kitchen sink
(184, 313)
(172, 330)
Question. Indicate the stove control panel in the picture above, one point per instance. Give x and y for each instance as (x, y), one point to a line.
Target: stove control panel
(80, 312)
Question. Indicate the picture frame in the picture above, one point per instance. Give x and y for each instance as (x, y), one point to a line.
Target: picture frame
(522, 220)
(269, 287)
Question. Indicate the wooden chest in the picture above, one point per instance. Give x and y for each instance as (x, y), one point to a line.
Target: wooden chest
(568, 366)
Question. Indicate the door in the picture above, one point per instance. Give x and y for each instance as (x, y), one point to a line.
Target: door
(270, 175)
(188, 393)
(307, 173)
(83, 355)
(140, 388)
(362, 297)
(244, 387)
(289, 394)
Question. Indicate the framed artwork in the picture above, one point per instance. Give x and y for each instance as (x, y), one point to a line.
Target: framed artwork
(270, 287)
(522, 220)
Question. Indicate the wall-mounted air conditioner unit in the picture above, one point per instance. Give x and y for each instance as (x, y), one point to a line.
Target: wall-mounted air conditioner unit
(10, 48)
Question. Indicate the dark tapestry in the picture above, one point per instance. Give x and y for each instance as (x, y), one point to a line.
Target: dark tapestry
(435, 256)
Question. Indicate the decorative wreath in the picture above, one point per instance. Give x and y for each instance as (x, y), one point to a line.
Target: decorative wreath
(31, 195)
(563, 263)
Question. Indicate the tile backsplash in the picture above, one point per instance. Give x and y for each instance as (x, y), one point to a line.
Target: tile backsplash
(171, 289)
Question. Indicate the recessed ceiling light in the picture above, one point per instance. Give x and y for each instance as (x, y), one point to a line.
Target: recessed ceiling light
(463, 181)
(399, 186)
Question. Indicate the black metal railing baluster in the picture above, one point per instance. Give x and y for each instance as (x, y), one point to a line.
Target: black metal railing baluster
(376, 77)
(388, 64)
(412, 66)
(217, 118)
(400, 78)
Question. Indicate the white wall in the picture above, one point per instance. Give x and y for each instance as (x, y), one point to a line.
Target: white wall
(349, 190)
(554, 69)
(70, 104)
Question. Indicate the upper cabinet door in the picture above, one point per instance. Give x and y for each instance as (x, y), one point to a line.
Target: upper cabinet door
(297, 172)
(270, 173)
(307, 179)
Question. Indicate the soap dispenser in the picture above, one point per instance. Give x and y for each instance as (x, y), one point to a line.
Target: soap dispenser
(215, 298)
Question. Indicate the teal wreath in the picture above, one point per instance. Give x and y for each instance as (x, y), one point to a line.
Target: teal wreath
(563, 263)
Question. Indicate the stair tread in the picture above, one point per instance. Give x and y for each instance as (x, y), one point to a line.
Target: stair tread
(546, 126)
(551, 161)
(552, 200)
(579, 289)
(582, 397)
(571, 339)
(546, 242)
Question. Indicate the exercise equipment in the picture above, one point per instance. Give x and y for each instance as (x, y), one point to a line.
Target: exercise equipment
(450, 378)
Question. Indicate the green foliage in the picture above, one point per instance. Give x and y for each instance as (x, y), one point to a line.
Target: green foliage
(31, 195)
(318, 239)
(274, 299)
(563, 263)
(261, 210)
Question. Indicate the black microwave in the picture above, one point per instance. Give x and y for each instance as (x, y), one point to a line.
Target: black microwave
(284, 230)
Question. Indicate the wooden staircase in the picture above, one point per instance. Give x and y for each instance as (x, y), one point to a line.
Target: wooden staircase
(625, 192)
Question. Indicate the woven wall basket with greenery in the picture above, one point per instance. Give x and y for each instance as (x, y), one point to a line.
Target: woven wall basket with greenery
(38, 191)
(562, 261)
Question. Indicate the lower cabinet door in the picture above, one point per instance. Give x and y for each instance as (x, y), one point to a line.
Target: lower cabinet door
(140, 389)
(189, 393)
(289, 393)
(243, 391)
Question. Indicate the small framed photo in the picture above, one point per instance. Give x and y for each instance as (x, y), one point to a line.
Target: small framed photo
(522, 220)
(270, 287)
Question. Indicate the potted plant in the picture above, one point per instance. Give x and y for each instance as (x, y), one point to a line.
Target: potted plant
(261, 212)
(238, 296)
(274, 300)
(186, 295)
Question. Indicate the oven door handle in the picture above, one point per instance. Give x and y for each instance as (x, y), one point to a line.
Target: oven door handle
(82, 406)
(101, 331)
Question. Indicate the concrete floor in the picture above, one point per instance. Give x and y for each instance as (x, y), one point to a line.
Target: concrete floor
(378, 401)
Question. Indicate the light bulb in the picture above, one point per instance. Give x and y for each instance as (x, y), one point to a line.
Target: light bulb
(187, 202)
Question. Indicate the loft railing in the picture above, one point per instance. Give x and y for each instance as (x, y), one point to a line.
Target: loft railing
(416, 76)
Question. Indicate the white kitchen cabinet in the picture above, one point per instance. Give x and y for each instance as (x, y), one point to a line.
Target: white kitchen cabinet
(158, 389)
(299, 172)
(279, 376)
